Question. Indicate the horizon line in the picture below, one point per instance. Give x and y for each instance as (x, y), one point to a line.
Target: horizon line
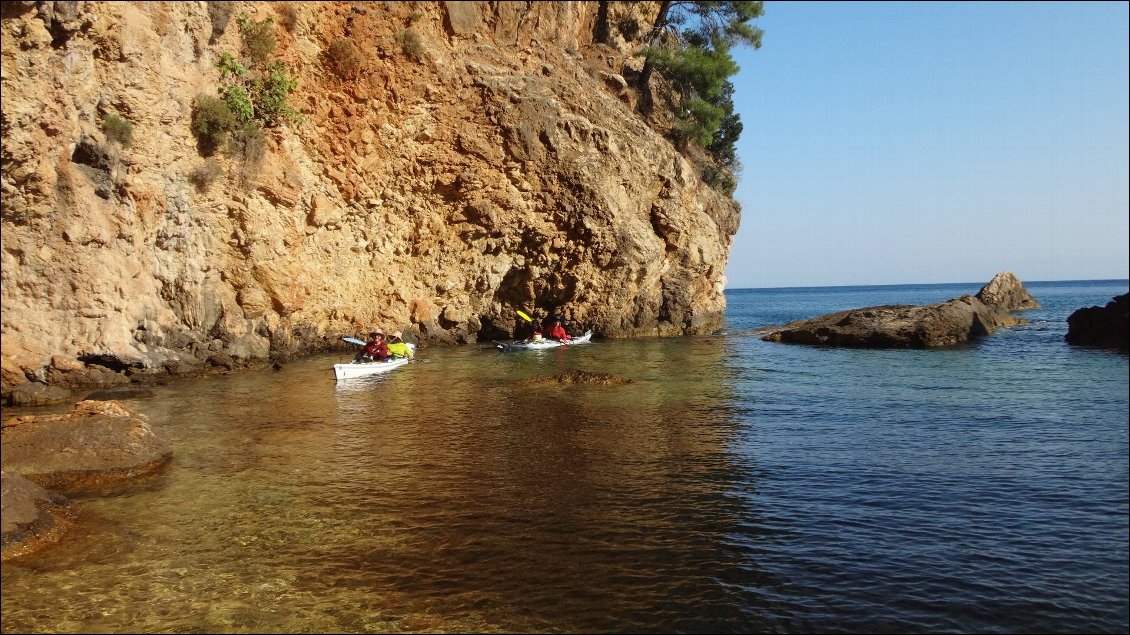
(914, 284)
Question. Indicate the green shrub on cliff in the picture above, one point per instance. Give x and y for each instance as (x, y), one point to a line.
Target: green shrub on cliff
(412, 43)
(118, 129)
(288, 16)
(258, 39)
(269, 92)
(219, 13)
(697, 65)
(248, 143)
(251, 98)
(212, 119)
(203, 175)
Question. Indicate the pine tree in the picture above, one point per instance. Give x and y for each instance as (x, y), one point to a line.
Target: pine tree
(698, 66)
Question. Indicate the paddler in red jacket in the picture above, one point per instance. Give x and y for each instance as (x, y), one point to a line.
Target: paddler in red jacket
(557, 331)
(375, 350)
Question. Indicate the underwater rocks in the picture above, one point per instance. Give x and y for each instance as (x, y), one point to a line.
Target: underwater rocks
(32, 517)
(98, 447)
(579, 377)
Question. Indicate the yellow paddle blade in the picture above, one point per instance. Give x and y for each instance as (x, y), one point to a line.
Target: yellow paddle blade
(525, 317)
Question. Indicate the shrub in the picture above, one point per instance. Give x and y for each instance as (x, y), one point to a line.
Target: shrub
(258, 40)
(629, 28)
(248, 143)
(239, 103)
(344, 59)
(256, 96)
(720, 179)
(203, 175)
(220, 14)
(412, 43)
(699, 120)
(269, 92)
(212, 119)
(230, 67)
(118, 129)
(288, 16)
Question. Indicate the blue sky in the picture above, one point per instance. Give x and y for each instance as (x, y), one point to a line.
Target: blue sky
(899, 143)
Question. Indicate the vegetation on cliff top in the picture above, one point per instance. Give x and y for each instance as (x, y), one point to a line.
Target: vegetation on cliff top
(689, 44)
(252, 97)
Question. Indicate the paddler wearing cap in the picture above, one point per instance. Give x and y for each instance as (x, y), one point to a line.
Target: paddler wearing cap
(397, 347)
(375, 350)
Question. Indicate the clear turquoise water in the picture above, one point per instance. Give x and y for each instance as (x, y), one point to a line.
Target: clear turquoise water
(735, 486)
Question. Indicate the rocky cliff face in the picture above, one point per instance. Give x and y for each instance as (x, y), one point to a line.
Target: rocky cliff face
(486, 158)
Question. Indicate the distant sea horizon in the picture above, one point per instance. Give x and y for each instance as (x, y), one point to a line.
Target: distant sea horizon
(922, 284)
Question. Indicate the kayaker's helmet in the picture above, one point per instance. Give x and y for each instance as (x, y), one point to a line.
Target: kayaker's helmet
(395, 335)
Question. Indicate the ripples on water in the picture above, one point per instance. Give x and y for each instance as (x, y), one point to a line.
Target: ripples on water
(734, 486)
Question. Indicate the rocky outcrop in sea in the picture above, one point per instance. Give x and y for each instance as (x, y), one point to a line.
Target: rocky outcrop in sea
(1106, 327)
(910, 326)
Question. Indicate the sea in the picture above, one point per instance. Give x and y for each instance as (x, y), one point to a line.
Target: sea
(733, 486)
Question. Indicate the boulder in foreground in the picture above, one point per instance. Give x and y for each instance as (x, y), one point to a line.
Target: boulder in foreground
(911, 326)
(31, 517)
(100, 445)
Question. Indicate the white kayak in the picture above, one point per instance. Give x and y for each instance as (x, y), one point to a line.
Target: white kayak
(538, 345)
(353, 370)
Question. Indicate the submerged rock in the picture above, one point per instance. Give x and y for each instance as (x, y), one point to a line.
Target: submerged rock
(911, 326)
(31, 517)
(101, 444)
(37, 394)
(580, 377)
(119, 393)
(1108, 327)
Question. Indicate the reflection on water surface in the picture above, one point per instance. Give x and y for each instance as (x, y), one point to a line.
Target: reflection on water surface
(734, 486)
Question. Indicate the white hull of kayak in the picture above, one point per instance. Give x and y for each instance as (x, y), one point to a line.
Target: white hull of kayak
(543, 344)
(353, 370)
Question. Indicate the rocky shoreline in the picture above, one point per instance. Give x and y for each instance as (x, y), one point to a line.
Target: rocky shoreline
(65, 381)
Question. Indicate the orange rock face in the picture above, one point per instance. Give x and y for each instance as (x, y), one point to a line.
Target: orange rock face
(483, 158)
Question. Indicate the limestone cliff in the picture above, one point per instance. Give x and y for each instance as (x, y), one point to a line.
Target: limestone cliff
(486, 158)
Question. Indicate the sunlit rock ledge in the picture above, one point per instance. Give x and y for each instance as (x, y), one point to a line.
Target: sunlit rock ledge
(911, 326)
(95, 448)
